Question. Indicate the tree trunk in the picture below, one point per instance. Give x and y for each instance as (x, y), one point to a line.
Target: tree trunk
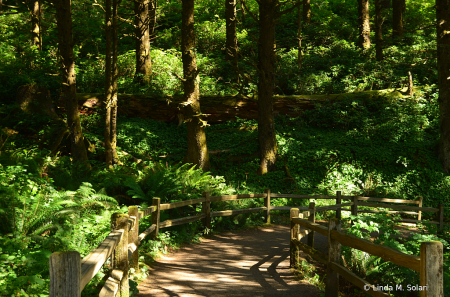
(299, 36)
(363, 24)
(378, 30)
(108, 85)
(143, 59)
(152, 19)
(398, 6)
(197, 152)
(64, 24)
(231, 38)
(36, 38)
(307, 12)
(115, 74)
(443, 62)
(266, 63)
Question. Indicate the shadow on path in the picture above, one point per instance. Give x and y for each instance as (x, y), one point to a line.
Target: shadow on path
(241, 263)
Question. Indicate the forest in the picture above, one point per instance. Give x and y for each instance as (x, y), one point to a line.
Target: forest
(108, 104)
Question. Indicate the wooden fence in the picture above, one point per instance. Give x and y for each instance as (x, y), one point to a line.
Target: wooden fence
(69, 274)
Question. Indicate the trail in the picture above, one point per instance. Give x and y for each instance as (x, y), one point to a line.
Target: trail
(240, 263)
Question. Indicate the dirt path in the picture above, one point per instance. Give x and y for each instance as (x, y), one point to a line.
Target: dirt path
(241, 263)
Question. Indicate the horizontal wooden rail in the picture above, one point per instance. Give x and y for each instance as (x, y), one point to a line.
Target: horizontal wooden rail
(293, 196)
(181, 203)
(112, 284)
(147, 232)
(315, 254)
(149, 210)
(356, 280)
(313, 226)
(407, 207)
(389, 211)
(180, 221)
(287, 207)
(388, 200)
(387, 253)
(236, 197)
(224, 213)
(333, 207)
(92, 263)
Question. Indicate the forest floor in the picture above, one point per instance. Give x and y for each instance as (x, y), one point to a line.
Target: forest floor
(251, 262)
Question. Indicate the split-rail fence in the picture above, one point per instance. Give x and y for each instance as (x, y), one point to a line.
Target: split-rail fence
(69, 274)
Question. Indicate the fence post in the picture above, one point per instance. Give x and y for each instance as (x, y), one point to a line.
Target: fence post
(206, 209)
(354, 207)
(431, 269)
(338, 201)
(120, 221)
(312, 219)
(65, 274)
(441, 217)
(155, 217)
(334, 254)
(133, 211)
(267, 204)
(419, 217)
(295, 232)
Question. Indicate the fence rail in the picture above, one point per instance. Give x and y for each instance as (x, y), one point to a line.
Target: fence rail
(69, 274)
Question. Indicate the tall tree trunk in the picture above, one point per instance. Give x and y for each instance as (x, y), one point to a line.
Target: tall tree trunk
(115, 74)
(143, 59)
(307, 12)
(197, 152)
(364, 24)
(398, 6)
(299, 36)
(108, 85)
(64, 23)
(266, 62)
(36, 38)
(231, 38)
(443, 62)
(378, 30)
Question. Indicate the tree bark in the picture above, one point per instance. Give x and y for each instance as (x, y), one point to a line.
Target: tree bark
(363, 24)
(36, 38)
(142, 28)
(378, 30)
(197, 152)
(64, 23)
(231, 38)
(115, 76)
(443, 62)
(307, 12)
(299, 36)
(108, 85)
(398, 6)
(266, 63)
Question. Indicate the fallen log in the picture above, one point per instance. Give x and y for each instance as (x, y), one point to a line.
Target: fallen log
(218, 109)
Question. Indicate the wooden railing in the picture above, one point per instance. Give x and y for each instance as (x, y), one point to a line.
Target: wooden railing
(429, 264)
(69, 274)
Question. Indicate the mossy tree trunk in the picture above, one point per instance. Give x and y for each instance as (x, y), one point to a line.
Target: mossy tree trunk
(299, 36)
(378, 30)
(266, 63)
(231, 38)
(142, 28)
(306, 12)
(197, 151)
(398, 7)
(443, 62)
(35, 10)
(364, 24)
(65, 39)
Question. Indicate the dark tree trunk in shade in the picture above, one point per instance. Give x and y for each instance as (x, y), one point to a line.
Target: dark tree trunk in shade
(306, 12)
(115, 74)
(299, 36)
(231, 38)
(266, 63)
(142, 28)
(378, 30)
(197, 152)
(398, 7)
(364, 24)
(443, 62)
(35, 9)
(108, 85)
(64, 24)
